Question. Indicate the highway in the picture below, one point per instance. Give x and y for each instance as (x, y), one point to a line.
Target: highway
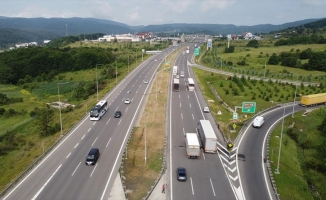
(62, 174)
(206, 176)
(252, 169)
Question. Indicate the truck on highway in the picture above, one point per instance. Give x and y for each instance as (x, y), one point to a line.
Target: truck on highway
(313, 99)
(208, 137)
(176, 85)
(192, 145)
(190, 84)
(175, 70)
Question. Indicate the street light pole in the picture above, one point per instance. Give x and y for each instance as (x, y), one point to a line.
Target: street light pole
(60, 104)
(116, 72)
(279, 151)
(295, 95)
(145, 138)
(97, 81)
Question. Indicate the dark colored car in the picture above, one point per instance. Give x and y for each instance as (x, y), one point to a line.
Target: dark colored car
(117, 114)
(181, 174)
(92, 156)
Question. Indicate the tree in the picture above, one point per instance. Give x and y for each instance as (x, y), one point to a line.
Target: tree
(274, 59)
(253, 43)
(44, 118)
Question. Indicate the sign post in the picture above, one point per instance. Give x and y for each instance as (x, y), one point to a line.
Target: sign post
(248, 107)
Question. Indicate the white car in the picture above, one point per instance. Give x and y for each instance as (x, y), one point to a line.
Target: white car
(127, 101)
(177, 76)
(146, 81)
(206, 109)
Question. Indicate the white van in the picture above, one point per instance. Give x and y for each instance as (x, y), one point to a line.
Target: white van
(258, 122)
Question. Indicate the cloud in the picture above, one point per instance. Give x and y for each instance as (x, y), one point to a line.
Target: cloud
(178, 6)
(314, 2)
(134, 15)
(215, 4)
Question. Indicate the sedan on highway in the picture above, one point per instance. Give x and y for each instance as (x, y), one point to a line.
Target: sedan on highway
(181, 174)
(127, 101)
(146, 81)
(206, 109)
(117, 114)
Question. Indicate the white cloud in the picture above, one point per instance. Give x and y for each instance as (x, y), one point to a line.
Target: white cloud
(134, 15)
(178, 6)
(216, 4)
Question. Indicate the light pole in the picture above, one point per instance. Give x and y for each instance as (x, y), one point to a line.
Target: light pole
(97, 81)
(116, 72)
(145, 138)
(128, 63)
(60, 104)
(279, 151)
(295, 95)
(265, 68)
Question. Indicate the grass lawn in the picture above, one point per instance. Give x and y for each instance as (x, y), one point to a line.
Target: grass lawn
(292, 182)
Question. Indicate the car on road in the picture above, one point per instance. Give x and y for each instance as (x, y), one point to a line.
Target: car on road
(146, 81)
(181, 174)
(206, 109)
(117, 114)
(92, 156)
(258, 122)
(127, 101)
(177, 76)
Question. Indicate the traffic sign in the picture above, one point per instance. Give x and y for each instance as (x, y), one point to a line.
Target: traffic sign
(249, 107)
(197, 51)
(235, 115)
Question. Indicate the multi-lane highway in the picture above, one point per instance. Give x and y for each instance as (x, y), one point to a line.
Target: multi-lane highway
(63, 173)
(207, 177)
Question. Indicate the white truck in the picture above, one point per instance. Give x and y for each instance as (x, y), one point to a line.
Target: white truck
(192, 145)
(208, 137)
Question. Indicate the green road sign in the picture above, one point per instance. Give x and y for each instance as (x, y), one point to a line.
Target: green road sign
(197, 51)
(248, 107)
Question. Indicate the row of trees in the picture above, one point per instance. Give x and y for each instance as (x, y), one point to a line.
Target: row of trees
(4, 100)
(312, 39)
(43, 63)
(317, 60)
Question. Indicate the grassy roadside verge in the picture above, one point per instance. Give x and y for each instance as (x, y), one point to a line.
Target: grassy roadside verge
(139, 175)
(300, 174)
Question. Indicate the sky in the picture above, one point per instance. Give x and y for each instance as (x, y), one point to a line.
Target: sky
(156, 12)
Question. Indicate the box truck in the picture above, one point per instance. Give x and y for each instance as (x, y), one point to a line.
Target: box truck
(192, 145)
(313, 99)
(176, 85)
(207, 136)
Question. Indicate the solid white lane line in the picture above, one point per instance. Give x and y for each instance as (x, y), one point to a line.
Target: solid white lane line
(203, 155)
(38, 193)
(108, 143)
(192, 187)
(76, 145)
(212, 187)
(83, 137)
(108, 121)
(75, 169)
(119, 122)
(93, 170)
(94, 141)
(68, 155)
